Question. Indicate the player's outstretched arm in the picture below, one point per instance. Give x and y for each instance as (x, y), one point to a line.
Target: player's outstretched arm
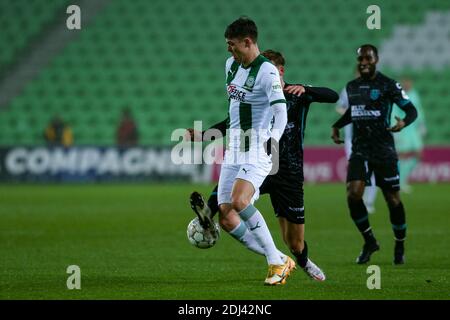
(221, 126)
(195, 135)
(322, 94)
(294, 89)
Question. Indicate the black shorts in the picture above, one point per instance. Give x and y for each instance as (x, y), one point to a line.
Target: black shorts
(286, 195)
(387, 175)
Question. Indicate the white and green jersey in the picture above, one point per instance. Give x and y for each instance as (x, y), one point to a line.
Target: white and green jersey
(251, 92)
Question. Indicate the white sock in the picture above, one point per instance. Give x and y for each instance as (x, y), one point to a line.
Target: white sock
(244, 236)
(257, 226)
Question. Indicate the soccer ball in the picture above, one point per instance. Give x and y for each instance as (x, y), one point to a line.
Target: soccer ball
(200, 237)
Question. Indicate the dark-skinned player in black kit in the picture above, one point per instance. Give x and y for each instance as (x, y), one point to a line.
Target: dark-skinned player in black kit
(370, 101)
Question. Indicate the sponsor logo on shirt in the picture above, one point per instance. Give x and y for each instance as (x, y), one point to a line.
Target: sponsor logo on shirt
(235, 94)
(360, 112)
(374, 94)
(276, 87)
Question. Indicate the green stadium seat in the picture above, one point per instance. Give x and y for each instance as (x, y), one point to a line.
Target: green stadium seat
(164, 60)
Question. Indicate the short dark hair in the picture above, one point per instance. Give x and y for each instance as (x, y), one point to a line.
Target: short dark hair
(241, 28)
(369, 46)
(274, 56)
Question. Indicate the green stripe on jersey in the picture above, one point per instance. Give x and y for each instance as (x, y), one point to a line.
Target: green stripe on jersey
(245, 122)
(277, 101)
(226, 139)
(232, 72)
(245, 116)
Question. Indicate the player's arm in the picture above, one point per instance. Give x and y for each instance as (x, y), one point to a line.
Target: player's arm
(279, 124)
(344, 120)
(321, 94)
(280, 114)
(295, 89)
(274, 91)
(220, 126)
(402, 100)
(410, 115)
(195, 135)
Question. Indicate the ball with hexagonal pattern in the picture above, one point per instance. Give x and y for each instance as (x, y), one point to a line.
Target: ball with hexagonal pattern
(200, 237)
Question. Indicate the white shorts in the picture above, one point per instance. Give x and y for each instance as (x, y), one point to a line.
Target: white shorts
(253, 171)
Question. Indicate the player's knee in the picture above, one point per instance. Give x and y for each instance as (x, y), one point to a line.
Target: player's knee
(239, 202)
(353, 196)
(392, 199)
(225, 223)
(393, 202)
(355, 191)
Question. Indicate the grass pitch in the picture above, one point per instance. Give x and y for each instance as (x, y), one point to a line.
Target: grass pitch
(130, 243)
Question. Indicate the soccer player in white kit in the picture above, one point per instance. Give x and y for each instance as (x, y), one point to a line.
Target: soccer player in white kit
(255, 100)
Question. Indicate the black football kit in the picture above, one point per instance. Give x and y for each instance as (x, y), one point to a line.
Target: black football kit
(369, 109)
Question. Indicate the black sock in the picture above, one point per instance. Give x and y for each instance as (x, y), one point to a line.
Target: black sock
(212, 202)
(358, 212)
(398, 220)
(302, 257)
(399, 245)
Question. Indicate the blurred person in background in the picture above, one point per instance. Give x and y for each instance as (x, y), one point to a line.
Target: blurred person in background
(58, 133)
(409, 142)
(370, 192)
(127, 133)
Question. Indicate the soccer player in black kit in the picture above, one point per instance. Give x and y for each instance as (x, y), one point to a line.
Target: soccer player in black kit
(370, 100)
(285, 187)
